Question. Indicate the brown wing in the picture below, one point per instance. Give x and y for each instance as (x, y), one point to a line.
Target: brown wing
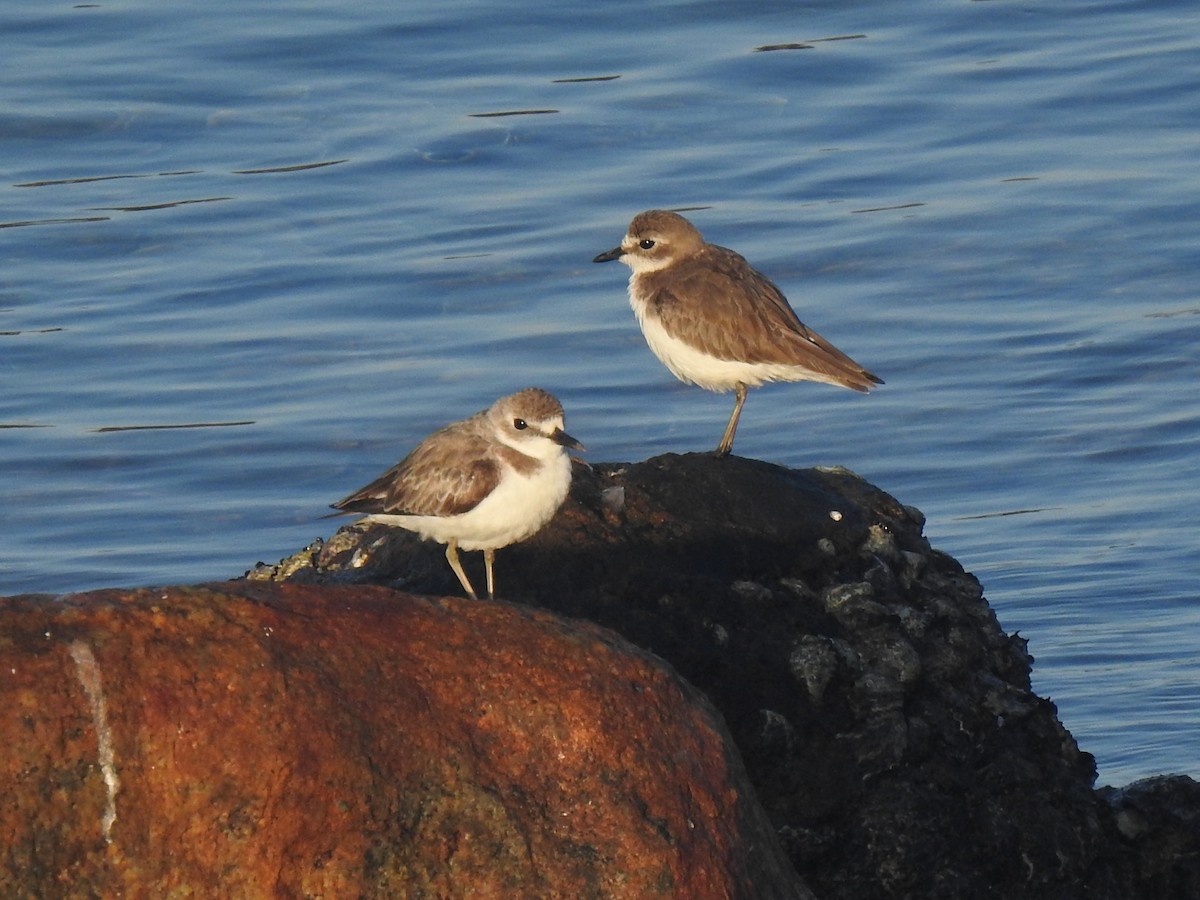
(449, 473)
(762, 327)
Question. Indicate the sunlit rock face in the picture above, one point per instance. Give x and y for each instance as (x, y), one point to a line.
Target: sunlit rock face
(259, 740)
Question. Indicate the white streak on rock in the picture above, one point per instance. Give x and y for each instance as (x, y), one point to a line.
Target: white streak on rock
(88, 671)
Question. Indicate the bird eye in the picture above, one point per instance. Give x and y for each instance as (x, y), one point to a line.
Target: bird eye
(520, 424)
(646, 243)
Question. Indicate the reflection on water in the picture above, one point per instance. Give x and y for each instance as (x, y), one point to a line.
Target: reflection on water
(992, 206)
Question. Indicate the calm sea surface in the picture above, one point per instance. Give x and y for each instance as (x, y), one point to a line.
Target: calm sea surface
(250, 253)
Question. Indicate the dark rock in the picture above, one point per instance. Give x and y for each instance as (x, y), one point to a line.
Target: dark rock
(259, 740)
(884, 716)
(1160, 819)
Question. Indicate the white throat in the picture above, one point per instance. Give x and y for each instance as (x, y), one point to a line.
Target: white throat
(643, 265)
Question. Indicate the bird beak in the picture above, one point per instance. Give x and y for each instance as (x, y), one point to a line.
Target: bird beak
(609, 256)
(561, 437)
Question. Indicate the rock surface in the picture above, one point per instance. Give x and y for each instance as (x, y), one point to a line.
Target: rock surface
(1160, 819)
(259, 740)
(884, 716)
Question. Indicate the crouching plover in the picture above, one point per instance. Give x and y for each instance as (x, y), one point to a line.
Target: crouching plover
(716, 322)
(479, 484)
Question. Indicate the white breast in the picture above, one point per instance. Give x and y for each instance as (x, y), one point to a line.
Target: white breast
(519, 506)
(692, 365)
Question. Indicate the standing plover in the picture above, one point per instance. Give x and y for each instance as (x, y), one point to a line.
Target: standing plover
(479, 484)
(716, 322)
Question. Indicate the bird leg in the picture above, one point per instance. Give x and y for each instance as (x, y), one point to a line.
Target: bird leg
(452, 558)
(489, 557)
(726, 445)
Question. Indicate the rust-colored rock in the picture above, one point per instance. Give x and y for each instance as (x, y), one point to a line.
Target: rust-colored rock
(255, 740)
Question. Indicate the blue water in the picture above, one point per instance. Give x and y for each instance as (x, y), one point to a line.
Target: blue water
(296, 230)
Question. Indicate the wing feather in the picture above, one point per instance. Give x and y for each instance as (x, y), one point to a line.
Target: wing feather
(449, 473)
(765, 330)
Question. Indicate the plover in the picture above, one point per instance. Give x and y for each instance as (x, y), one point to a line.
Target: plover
(716, 322)
(479, 484)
